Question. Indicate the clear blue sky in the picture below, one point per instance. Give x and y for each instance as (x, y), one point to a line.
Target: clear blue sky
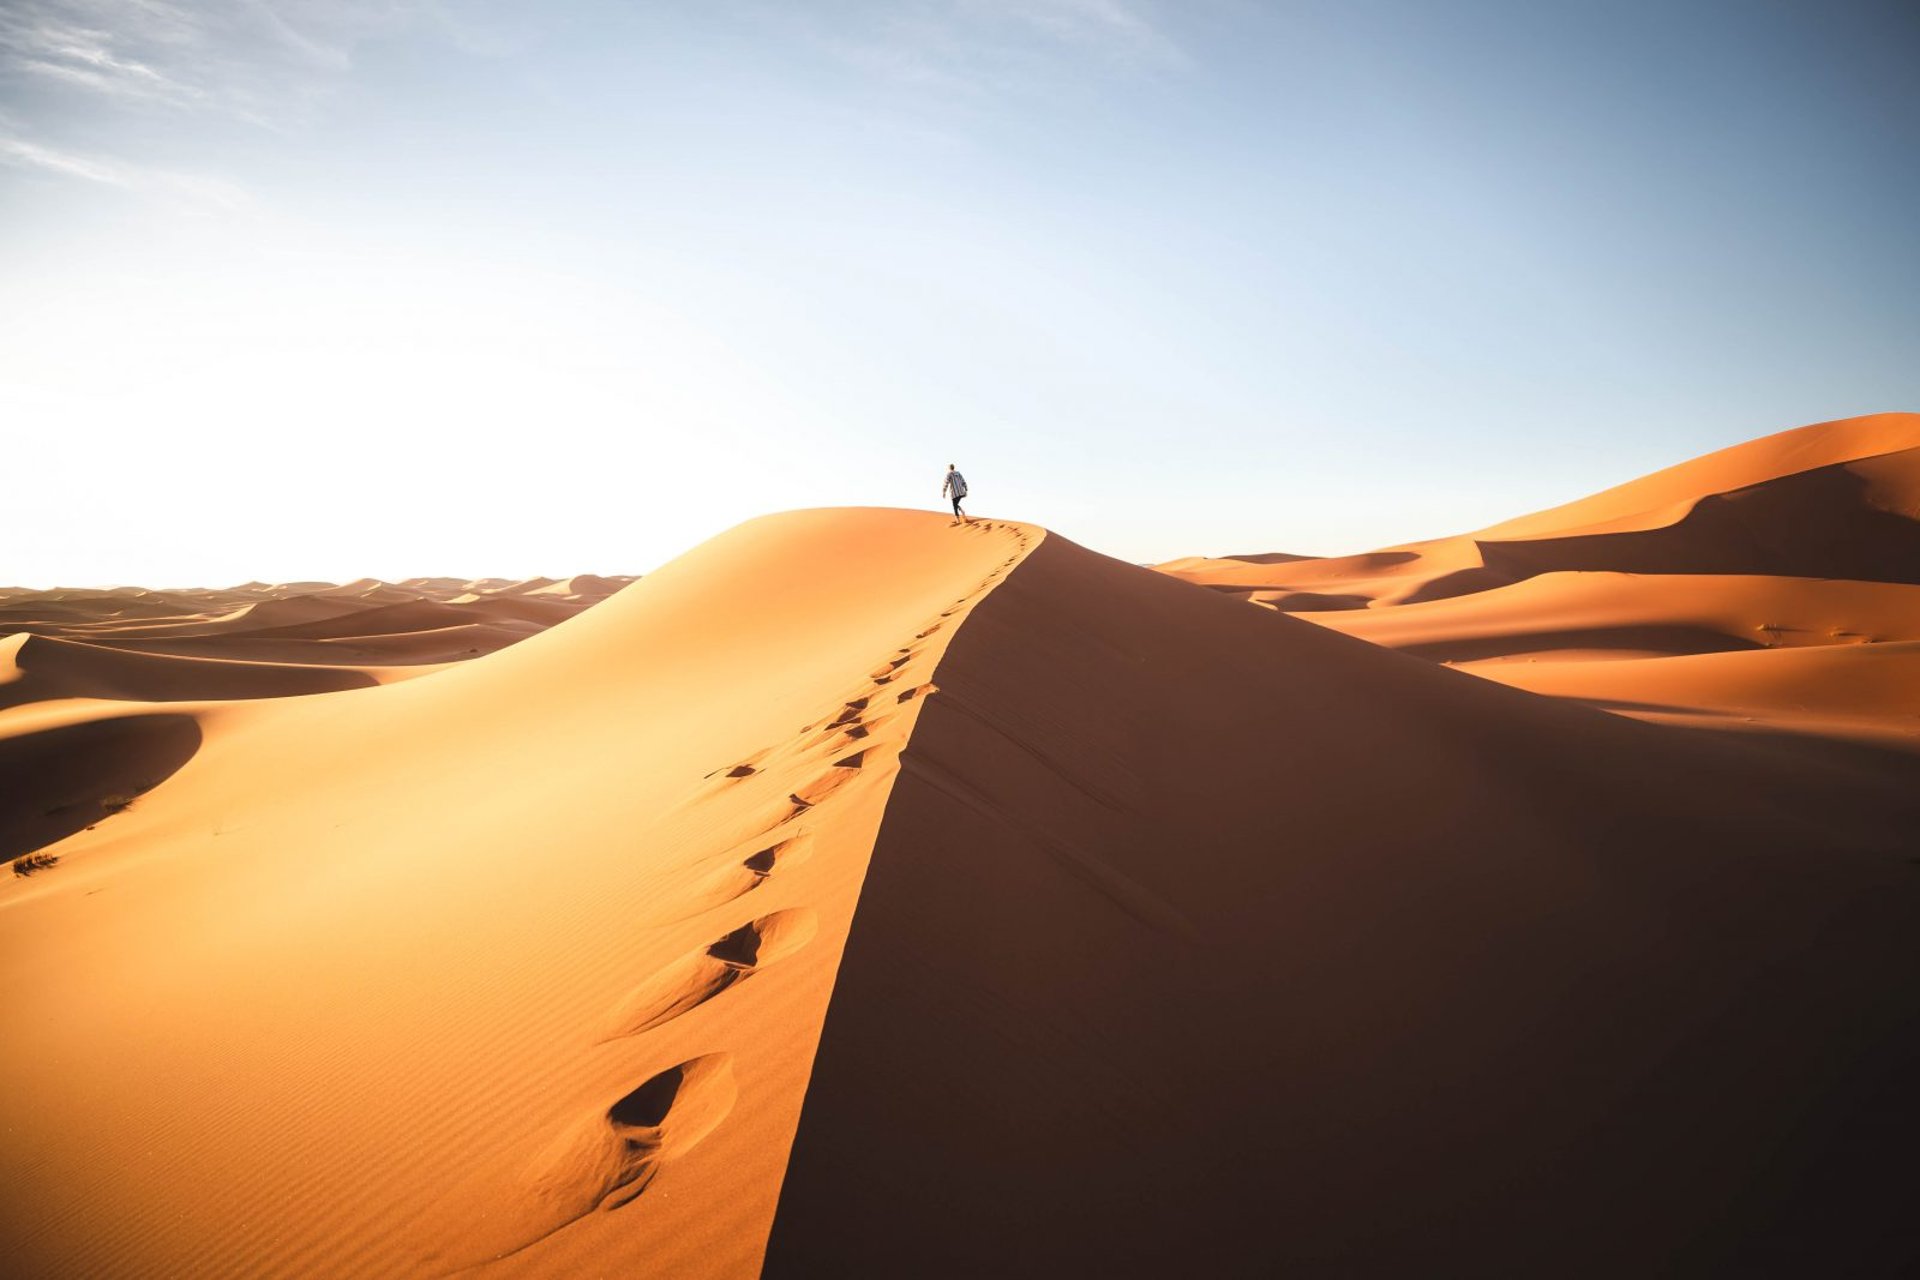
(323, 289)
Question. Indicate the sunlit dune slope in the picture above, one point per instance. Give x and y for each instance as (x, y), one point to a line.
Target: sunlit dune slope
(519, 963)
(1200, 940)
(113, 657)
(1832, 659)
(1843, 695)
(1646, 502)
(1647, 614)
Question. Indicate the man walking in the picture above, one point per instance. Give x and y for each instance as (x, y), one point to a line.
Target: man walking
(955, 487)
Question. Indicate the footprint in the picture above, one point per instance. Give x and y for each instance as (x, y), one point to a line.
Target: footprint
(853, 761)
(929, 631)
(736, 877)
(787, 853)
(609, 1159)
(849, 713)
(598, 1163)
(698, 977)
(918, 691)
(744, 769)
(885, 670)
(819, 789)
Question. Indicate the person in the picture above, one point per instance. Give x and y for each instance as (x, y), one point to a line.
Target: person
(955, 487)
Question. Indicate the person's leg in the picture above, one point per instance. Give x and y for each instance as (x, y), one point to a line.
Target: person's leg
(956, 507)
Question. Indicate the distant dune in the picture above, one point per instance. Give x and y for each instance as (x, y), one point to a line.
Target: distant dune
(81, 672)
(864, 894)
(1834, 500)
(1809, 539)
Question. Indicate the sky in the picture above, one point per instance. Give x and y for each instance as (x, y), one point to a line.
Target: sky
(318, 289)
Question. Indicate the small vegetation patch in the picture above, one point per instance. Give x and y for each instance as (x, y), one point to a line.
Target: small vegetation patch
(28, 863)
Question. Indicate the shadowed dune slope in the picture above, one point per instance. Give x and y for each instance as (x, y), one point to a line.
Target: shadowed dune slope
(65, 779)
(44, 668)
(409, 616)
(1200, 940)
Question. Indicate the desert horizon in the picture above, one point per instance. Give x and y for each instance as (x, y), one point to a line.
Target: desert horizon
(952, 639)
(861, 879)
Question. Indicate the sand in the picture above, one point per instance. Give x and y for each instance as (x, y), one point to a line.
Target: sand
(865, 894)
(1309, 956)
(1686, 596)
(395, 980)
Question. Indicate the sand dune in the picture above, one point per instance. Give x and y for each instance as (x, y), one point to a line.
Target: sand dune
(425, 620)
(1652, 500)
(255, 616)
(382, 619)
(1314, 957)
(1675, 596)
(45, 668)
(100, 658)
(1835, 499)
(1869, 695)
(1617, 614)
(866, 894)
(560, 944)
(128, 611)
(84, 676)
(71, 775)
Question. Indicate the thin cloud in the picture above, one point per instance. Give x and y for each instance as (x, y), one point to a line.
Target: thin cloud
(71, 71)
(85, 46)
(979, 48)
(1111, 28)
(193, 193)
(244, 57)
(20, 153)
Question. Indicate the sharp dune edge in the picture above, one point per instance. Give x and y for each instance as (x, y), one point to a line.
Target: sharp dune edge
(1190, 936)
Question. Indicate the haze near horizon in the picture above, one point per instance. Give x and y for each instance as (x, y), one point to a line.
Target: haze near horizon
(300, 291)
